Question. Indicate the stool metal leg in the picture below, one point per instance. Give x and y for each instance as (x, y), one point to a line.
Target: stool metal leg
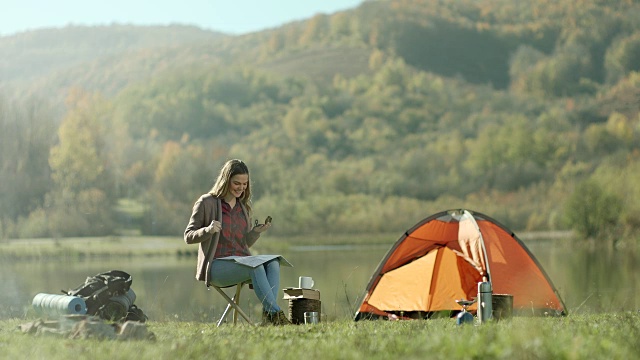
(232, 303)
(224, 315)
(236, 300)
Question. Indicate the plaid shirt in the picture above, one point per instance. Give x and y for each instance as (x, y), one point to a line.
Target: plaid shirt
(231, 241)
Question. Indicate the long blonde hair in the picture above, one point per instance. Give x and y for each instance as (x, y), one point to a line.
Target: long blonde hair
(229, 169)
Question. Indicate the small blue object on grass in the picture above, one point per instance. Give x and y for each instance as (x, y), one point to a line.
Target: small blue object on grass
(464, 317)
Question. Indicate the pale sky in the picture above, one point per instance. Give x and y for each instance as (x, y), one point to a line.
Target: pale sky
(229, 16)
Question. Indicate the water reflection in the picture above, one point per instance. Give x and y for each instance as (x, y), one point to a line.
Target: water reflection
(588, 281)
(591, 280)
(167, 290)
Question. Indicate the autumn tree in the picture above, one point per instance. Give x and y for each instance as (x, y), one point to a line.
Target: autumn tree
(622, 57)
(82, 199)
(593, 211)
(182, 174)
(27, 132)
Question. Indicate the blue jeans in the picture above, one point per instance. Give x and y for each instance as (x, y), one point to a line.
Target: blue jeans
(265, 279)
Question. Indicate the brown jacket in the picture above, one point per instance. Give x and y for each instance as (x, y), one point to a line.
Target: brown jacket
(205, 210)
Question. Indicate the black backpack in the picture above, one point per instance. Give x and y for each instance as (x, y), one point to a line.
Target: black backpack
(99, 291)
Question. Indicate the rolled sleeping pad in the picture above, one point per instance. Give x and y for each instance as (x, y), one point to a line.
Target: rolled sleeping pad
(56, 305)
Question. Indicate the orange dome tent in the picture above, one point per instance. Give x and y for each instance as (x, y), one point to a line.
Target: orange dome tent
(442, 259)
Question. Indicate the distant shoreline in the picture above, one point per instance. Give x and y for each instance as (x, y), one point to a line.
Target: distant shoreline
(156, 246)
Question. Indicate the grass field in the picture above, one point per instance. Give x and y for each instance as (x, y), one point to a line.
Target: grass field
(602, 336)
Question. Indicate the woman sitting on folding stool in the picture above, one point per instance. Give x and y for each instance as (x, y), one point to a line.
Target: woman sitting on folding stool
(221, 224)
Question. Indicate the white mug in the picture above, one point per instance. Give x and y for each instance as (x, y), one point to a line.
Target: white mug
(305, 282)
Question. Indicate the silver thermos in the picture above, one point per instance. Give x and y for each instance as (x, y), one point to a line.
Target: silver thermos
(484, 301)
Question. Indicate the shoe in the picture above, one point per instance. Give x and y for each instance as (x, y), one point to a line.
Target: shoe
(279, 319)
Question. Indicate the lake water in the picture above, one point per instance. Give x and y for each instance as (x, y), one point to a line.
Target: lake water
(587, 280)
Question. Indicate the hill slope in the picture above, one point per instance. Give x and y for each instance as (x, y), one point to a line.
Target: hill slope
(498, 106)
(35, 55)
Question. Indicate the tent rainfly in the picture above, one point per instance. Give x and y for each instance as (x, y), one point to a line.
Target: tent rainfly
(442, 259)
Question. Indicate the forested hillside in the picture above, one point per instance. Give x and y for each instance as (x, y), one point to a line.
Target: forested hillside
(361, 121)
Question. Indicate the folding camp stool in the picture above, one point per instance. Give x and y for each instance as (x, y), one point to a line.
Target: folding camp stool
(233, 303)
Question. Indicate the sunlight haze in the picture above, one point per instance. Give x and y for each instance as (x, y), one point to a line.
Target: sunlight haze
(232, 17)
